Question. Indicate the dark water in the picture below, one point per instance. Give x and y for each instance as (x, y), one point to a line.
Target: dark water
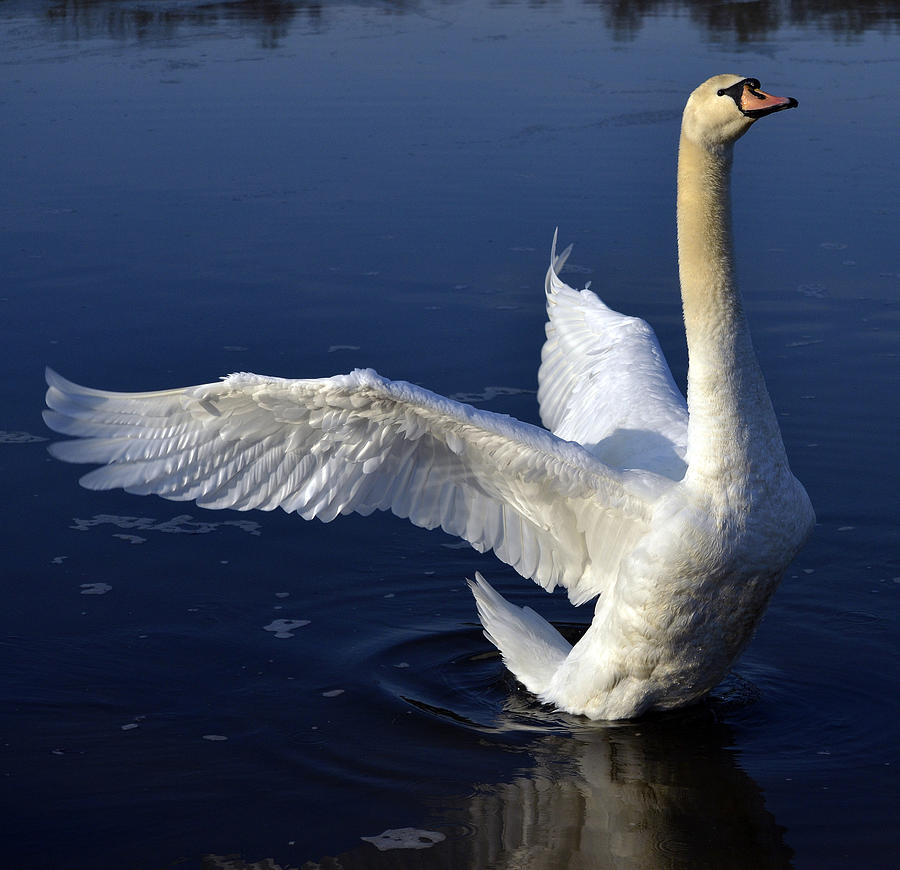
(293, 188)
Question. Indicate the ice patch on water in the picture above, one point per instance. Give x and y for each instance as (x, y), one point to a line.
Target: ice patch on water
(489, 393)
(132, 539)
(214, 737)
(95, 588)
(336, 347)
(804, 342)
(574, 269)
(58, 560)
(405, 838)
(332, 693)
(7, 437)
(816, 291)
(184, 524)
(285, 627)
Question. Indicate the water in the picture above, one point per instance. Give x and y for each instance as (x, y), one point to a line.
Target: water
(298, 189)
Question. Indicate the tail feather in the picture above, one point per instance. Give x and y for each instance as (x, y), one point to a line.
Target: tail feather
(531, 648)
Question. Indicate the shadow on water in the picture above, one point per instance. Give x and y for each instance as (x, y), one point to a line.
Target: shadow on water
(744, 22)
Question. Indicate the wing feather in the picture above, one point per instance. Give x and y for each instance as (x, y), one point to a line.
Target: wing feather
(359, 443)
(605, 383)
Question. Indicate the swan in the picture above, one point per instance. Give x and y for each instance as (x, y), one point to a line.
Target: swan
(678, 517)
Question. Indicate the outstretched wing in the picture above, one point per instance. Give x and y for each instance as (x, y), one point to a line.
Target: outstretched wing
(359, 443)
(604, 382)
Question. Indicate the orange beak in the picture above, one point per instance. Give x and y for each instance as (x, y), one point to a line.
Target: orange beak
(756, 103)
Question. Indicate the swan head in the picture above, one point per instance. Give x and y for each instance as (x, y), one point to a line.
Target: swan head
(724, 107)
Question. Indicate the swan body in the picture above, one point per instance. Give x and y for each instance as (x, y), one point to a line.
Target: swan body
(678, 516)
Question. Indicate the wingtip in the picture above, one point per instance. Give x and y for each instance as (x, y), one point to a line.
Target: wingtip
(56, 381)
(53, 378)
(557, 262)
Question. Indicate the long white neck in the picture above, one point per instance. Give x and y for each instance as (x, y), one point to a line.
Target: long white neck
(732, 431)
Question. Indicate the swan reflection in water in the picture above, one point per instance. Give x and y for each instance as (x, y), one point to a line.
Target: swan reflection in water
(664, 793)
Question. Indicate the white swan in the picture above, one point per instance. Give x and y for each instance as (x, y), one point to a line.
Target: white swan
(681, 516)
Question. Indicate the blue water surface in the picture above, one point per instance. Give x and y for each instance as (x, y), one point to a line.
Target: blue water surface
(299, 189)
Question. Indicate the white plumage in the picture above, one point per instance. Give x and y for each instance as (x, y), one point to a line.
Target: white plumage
(683, 537)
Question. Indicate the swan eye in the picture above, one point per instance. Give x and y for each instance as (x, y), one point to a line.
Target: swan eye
(736, 91)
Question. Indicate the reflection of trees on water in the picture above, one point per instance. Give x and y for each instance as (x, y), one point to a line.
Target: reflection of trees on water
(743, 21)
(662, 794)
(748, 21)
(160, 20)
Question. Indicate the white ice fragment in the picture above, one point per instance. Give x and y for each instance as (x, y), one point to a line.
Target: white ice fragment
(130, 726)
(19, 437)
(805, 342)
(248, 526)
(336, 347)
(95, 588)
(332, 693)
(402, 665)
(574, 269)
(405, 838)
(816, 291)
(58, 560)
(182, 524)
(282, 594)
(285, 627)
(214, 737)
(489, 393)
(846, 528)
(131, 539)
